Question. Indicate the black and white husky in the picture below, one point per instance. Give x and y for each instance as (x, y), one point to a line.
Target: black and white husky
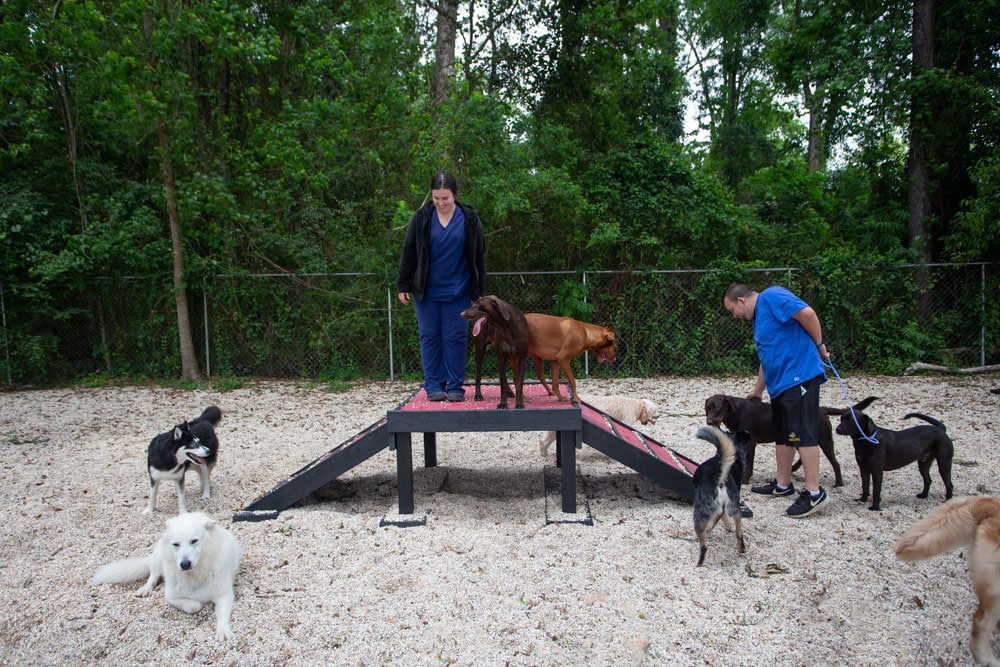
(192, 444)
(717, 486)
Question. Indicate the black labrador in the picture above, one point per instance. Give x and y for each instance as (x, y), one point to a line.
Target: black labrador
(895, 449)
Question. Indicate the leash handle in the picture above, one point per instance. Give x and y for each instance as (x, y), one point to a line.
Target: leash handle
(850, 405)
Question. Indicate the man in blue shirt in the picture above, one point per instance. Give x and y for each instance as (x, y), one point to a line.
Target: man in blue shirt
(790, 346)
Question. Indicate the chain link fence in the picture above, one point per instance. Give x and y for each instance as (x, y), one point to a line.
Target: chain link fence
(348, 326)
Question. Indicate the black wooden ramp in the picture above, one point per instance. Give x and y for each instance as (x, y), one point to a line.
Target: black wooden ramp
(323, 470)
(639, 452)
(598, 430)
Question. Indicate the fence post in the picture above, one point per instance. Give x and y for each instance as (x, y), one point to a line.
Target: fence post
(6, 347)
(982, 310)
(586, 355)
(204, 309)
(388, 294)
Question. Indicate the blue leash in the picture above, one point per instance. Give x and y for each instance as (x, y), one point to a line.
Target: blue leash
(850, 406)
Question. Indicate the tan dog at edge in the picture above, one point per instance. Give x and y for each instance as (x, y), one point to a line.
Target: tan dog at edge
(559, 340)
(973, 522)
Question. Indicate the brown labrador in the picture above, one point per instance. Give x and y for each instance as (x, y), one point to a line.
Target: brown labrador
(559, 340)
(504, 327)
(754, 415)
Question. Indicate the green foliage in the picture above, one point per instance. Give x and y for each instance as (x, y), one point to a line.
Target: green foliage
(301, 138)
(652, 209)
(868, 312)
(792, 210)
(976, 232)
(571, 301)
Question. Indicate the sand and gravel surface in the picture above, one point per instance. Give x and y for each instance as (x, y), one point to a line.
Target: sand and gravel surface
(487, 581)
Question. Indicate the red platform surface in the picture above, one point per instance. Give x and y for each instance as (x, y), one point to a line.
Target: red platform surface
(535, 397)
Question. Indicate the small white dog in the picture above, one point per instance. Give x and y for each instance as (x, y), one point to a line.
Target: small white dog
(626, 409)
(198, 560)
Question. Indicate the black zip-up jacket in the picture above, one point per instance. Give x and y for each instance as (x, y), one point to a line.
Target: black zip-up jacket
(414, 263)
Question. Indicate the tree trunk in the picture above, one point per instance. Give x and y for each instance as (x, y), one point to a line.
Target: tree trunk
(918, 182)
(444, 53)
(189, 362)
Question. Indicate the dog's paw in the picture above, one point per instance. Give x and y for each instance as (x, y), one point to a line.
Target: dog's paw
(148, 510)
(921, 495)
(185, 605)
(144, 591)
(223, 633)
(875, 508)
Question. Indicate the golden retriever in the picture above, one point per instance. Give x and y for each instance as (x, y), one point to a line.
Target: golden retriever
(973, 522)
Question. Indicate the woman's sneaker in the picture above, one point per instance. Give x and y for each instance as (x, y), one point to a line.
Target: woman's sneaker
(772, 489)
(807, 503)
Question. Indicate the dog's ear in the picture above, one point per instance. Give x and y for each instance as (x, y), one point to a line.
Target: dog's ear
(502, 307)
(865, 403)
(178, 433)
(867, 423)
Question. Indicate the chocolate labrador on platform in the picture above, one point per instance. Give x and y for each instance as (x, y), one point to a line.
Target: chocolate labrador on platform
(895, 449)
(503, 326)
(754, 415)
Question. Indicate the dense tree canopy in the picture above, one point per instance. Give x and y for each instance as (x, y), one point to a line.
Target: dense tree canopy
(299, 135)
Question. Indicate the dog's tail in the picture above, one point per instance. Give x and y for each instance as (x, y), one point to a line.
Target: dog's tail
(861, 405)
(929, 420)
(948, 527)
(212, 414)
(723, 444)
(122, 571)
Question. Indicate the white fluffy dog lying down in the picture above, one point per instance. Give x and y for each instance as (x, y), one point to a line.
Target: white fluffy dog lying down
(198, 560)
(626, 409)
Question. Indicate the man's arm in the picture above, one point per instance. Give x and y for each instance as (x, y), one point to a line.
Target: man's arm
(809, 320)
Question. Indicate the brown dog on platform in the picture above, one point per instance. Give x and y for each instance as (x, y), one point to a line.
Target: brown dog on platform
(755, 416)
(504, 327)
(961, 522)
(559, 340)
(896, 449)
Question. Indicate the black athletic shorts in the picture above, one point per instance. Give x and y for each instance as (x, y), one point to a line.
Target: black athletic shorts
(796, 414)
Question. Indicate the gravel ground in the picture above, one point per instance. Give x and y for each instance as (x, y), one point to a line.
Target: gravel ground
(486, 581)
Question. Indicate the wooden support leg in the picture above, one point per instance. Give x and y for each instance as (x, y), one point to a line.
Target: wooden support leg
(430, 450)
(567, 453)
(404, 471)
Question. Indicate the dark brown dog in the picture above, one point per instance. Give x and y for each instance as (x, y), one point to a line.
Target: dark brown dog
(895, 449)
(559, 340)
(507, 331)
(754, 415)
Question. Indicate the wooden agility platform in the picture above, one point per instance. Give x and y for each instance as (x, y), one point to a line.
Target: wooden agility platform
(573, 424)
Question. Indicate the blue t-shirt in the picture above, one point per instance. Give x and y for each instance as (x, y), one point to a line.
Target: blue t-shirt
(787, 353)
(448, 273)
